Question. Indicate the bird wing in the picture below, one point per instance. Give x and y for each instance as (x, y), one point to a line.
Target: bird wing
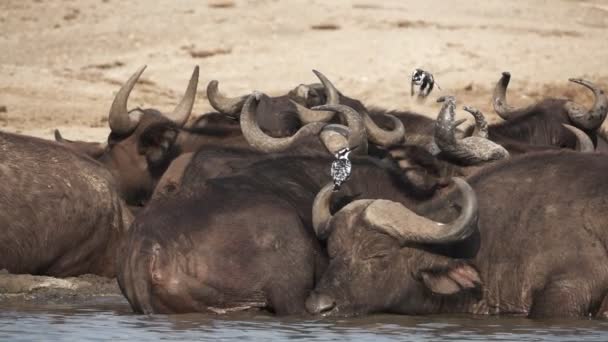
(334, 169)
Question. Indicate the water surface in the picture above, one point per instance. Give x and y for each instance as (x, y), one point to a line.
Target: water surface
(111, 319)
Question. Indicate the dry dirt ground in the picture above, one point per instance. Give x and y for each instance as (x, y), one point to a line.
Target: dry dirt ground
(62, 61)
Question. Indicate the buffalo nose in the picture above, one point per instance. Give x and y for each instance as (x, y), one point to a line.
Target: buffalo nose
(319, 303)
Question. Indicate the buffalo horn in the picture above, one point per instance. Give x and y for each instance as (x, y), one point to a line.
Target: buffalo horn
(119, 120)
(471, 150)
(583, 142)
(333, 98)
(481, 125)
(182, 112)
(588, 119)
(226, 105)
(403, 224)
(357, 136)
(500, 97)
(261, 141)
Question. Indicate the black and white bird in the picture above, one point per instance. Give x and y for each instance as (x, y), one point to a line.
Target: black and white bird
(341, 167)
(422, 79)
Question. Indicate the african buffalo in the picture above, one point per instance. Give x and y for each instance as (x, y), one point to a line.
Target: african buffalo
(67, 218)
(551, 123)
(531, 129)
(450, 155)
(542, 123)
(254, 140)
(224, 131)
(238, 232)
(142, 142)
(240, 241)
(538, 248)
(61, 213)
(287, 113)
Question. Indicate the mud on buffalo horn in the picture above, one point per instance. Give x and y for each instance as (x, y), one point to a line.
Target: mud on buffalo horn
(396, 220)
(471, 150)
(122, 123)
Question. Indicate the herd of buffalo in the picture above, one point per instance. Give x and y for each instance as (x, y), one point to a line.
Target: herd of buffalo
(236, 209)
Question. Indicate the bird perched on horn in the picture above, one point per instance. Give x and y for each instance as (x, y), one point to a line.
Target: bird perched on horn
(341, 167)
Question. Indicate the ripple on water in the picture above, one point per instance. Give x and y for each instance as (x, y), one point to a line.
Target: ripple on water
(113, 321)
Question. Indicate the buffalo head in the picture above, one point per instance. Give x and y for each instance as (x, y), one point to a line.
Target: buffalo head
(141, 143)
(380, 258)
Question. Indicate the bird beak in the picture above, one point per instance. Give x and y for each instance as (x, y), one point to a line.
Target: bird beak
(353, 148)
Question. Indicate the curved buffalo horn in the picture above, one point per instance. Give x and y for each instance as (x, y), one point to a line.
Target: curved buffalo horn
(182, 112)
(335, 137)
(333, 98)
(357, 136)
(396, 220)
(471, 150)
(303, 89)
(588, 119)
(262, 142)
(376, 134)
(321, 215)
(500, 97)
(444, 127)
(119, 120)
(226, 105)
(58, 137)
(583, 141)
(307, 115)
(381, 136)
(481, 125)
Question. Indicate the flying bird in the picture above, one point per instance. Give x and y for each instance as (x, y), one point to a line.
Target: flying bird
(422, 79)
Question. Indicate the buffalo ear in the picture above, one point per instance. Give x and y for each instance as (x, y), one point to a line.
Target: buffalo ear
(452, 279)
(157, 141)
(91, 149)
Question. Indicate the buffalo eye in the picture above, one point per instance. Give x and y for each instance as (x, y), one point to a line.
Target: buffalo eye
(376, 248)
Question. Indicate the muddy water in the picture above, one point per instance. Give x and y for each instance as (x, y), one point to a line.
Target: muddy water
(109, 318)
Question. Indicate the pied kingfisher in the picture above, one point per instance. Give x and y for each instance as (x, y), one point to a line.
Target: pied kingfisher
(422, 79)
(341, 167)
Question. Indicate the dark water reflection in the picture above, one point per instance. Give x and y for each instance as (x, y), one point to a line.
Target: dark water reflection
(110, 319)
